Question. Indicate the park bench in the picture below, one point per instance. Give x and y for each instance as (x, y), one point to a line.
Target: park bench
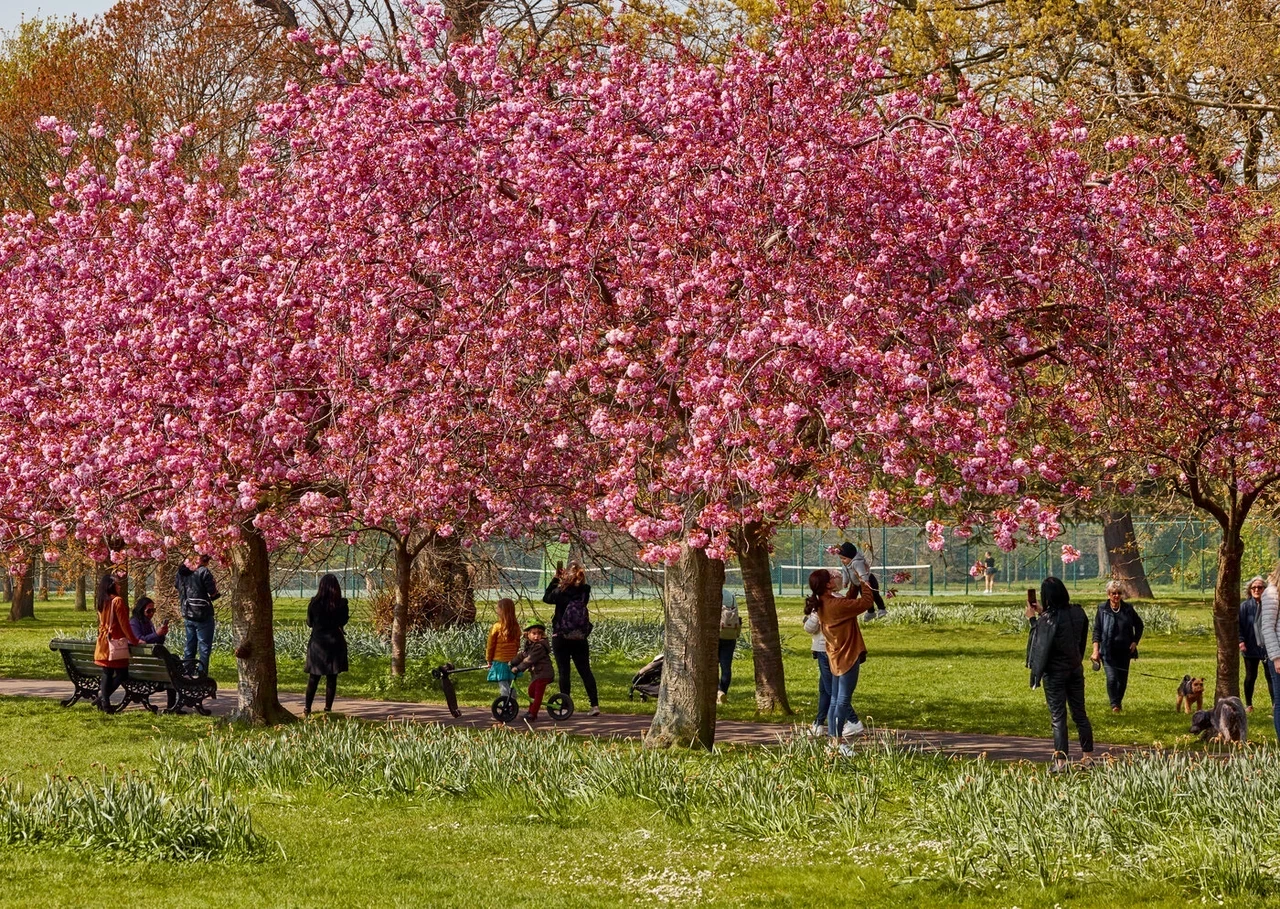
(152, 669)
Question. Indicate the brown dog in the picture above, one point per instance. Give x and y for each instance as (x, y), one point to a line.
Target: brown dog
(1190, 691)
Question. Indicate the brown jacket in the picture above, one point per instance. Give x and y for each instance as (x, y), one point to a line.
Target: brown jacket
(535, 659)
(116, 618)
(839, 618)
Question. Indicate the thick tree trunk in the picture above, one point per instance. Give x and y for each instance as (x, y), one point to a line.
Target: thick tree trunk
(400, 614)
(24, 595)
(82, 592)
(8, 587)
(1226, 614)
(686, 711)
(253, 632)
(166, 595)
(446, 574)
(751, 545)
(1124, 555)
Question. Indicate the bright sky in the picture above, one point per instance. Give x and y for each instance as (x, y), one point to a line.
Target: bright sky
(12, 12)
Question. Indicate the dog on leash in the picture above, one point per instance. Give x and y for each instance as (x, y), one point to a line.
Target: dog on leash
(1227, 721)
(1190, 691)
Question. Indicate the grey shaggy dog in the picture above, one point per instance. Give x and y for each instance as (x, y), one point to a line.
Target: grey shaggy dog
(1227, 721)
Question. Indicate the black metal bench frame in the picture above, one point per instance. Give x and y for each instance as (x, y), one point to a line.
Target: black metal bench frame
(190, 689)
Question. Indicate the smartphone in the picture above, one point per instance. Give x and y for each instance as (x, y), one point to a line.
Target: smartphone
(1031, 597)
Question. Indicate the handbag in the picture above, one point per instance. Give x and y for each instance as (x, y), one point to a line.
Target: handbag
(117, 648)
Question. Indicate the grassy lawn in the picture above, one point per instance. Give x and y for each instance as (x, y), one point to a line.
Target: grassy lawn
(955, 677)
(475, 820)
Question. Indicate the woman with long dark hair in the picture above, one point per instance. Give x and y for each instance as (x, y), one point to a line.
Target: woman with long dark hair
(327, 615)
(838, 618)
(111, 652)
(1055, 656)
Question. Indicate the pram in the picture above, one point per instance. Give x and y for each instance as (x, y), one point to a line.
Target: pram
(647, 680)
(504, 708)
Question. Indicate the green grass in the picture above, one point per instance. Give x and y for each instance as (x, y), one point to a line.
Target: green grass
(641, 829)
(946, 677)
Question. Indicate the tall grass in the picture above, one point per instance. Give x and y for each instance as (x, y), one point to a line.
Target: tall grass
(1206, 822)
(129, 814)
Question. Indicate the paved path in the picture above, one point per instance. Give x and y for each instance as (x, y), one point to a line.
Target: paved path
(620, 725)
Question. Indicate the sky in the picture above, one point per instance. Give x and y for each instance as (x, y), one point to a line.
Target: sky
(12, 12)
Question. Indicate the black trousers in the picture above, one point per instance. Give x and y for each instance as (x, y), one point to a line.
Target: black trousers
(580, 653)
(1117, 680)
(875, 592)
(726, 663)
(330, 689)
(1251, 665)
(1063, 693)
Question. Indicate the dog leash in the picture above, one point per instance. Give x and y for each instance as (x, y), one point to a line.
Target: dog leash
(1097, 666)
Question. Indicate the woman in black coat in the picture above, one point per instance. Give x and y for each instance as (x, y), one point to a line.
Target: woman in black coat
(327, 614)
(1117, 629)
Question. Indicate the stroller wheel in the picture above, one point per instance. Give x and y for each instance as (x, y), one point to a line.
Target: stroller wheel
(559, 706)
(505, 708)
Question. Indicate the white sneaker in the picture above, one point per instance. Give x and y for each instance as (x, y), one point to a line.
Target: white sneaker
(853, 728)
(719, 697)
(846, 750)
(594, 711)
(882, 614)
(818, 729)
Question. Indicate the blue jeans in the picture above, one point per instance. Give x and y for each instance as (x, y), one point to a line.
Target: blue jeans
(202, 633)
(840, 710)
(726, 663)
(824, 688)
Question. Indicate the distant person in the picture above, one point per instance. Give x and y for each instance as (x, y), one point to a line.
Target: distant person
(1269, 639)
(846, 651)
(1055, 656)
(502, 646)
(327, 616)
(571, 627)
(1117, 629)
(115, 634)
(143, 626)
(535, 658)
(1250, 647)
(730, 631)
(989, 572)
(853, 566)
(197, 590)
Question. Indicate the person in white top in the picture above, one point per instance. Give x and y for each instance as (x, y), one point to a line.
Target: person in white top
(1268, 634)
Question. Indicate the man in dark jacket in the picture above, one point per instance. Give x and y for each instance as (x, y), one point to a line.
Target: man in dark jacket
(1055, 656)
(196, 592)
(1117, 629)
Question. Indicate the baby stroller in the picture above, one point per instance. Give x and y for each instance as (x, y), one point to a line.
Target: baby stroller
(504, 708)
(647, 680)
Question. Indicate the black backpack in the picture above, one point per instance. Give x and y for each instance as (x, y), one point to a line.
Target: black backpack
(575, 620)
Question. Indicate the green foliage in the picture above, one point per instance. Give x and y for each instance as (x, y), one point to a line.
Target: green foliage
(129, 814)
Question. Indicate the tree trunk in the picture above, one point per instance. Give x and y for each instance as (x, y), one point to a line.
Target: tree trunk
(24, 595)
(446, 573)
(8, 587)
(1124, 555)
(253, 631)
(82, 587)
(751, 545)
(400, 614)
(44, 581)
(166, 595)
(686, 711)
(1226, 613)
(140, 580)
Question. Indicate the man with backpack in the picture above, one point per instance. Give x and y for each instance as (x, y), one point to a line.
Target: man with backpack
(730, 630)
(196, 592)
(569, 592)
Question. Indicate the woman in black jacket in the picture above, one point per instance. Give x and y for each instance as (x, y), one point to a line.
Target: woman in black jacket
(1117, 629)
(1055, 656)
(570, 593)
(327, 615)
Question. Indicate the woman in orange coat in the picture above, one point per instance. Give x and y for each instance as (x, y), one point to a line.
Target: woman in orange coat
(845, 648)
(113, 622)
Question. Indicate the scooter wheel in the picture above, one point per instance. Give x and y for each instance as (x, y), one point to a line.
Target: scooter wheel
(505, 708)
(559, 706)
